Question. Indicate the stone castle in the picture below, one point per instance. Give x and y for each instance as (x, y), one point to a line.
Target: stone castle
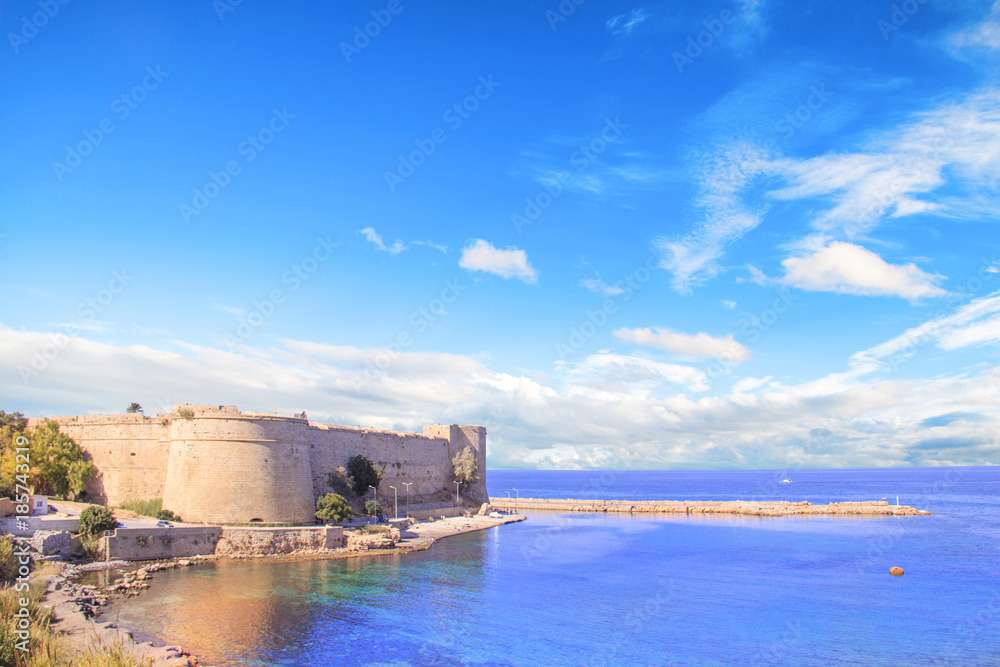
(215, 464)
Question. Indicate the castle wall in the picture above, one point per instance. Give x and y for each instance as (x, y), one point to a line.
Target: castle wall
(406, 457)
(130, 452)
(214, 464)
(227, 467)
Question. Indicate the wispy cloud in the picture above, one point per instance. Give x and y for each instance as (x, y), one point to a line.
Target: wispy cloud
(598, 286)
(481, 255)
(700, 345)
(625, 23)
(723, 180)
(376, 239)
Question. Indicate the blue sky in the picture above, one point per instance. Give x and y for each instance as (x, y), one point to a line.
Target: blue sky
(740, 234)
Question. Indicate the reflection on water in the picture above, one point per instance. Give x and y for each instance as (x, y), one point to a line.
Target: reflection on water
(239, 612)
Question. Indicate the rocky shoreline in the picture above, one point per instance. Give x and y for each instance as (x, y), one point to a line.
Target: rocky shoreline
(740, 507)
(75, 605)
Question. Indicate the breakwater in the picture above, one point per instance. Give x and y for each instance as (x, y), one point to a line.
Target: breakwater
(744, 507)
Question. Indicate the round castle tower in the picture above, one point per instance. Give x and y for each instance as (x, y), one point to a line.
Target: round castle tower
(225, 466)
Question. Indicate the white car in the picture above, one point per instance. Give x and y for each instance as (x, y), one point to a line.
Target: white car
(495, 515)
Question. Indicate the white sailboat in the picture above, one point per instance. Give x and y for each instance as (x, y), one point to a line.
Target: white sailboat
(784, 478)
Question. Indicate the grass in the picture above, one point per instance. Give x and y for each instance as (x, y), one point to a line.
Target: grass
(372, 529)
(144, 507)
(46, 647)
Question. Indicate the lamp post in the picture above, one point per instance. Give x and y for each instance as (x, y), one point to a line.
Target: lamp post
(395, 501)
(407, 485)
(375, 499)
(457, 485)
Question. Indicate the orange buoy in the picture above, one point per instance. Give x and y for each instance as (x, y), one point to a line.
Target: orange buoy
(896, 571)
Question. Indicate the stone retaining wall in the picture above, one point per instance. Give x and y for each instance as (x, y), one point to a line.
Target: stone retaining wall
(188, 541)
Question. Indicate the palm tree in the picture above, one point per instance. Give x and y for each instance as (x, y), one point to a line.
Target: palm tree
(135, 407)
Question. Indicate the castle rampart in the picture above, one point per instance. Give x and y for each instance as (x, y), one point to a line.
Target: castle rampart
(214, 464)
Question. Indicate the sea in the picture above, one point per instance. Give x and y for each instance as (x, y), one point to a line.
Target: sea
(597, 589)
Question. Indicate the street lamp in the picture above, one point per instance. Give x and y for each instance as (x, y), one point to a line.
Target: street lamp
(407, 485)
(375, 500)
(457, 485)
(395, 501)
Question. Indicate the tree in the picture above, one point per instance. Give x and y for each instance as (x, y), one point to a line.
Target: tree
(133, 408)
(333, 507)
(58, 465)
(465, 467)
(96, 519)
(373, 508)
(365, 474)
(12, 425)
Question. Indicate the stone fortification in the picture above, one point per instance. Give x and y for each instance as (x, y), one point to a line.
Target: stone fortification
(214, 464)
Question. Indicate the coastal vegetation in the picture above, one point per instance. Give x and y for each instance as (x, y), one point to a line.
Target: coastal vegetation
(95, 519)
(133, 408)
(152, 507)
(333, 507)
(58, 466)
(46, 647)
(465, 468)
(372, 508)
(363, 474)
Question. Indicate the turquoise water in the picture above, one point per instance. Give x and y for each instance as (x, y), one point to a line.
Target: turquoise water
(576, 589)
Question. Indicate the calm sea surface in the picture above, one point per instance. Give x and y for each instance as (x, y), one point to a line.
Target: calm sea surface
(576, 589)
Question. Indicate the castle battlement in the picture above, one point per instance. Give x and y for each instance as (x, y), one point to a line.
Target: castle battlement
(215, 464)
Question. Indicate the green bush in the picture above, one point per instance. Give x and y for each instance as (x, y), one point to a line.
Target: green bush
(167, 515)
(333, 507)
(96, 519)
(372, 508)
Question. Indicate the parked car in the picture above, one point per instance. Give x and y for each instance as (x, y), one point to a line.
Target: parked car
(164, 524)
(495, 515)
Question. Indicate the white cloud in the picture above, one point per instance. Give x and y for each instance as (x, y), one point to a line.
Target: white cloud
(700, 345)
(851, 269)
(598, 286)
(750, 383)
(480, 255)
(376, 238)
(729, 304)
(431, 244)
(983, 35)
(609, 411)
(625, 23)
(723, 179)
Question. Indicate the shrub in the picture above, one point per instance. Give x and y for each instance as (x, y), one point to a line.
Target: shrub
(167, 515)
(341, 483)
(333, 507)
(186, 413)
(371, 529)
(96, 519)
(465, 467)
(372, 508)
(365, 474)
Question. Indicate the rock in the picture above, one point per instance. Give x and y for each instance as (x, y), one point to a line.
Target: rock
(485, 509)
(184, 562)
(896, 571)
